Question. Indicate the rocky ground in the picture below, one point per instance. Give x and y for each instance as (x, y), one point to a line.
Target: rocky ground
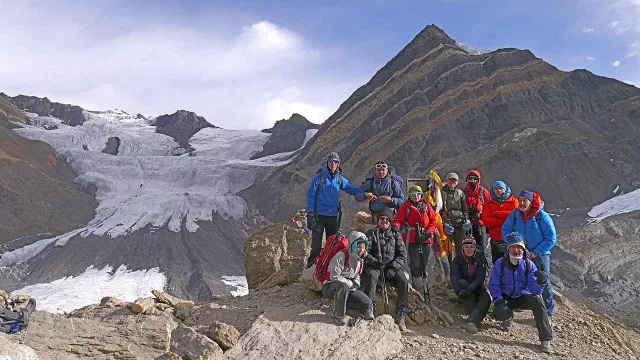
(291, 320)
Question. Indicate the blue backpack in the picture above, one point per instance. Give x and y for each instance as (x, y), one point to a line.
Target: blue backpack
(15, 321)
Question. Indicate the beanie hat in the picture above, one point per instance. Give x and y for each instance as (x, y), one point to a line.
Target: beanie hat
(388, 213)
(469, 240)
(526, 194)
(333, 156)
(415, 188)
(452, 175)
(499, 184)
(516, 239)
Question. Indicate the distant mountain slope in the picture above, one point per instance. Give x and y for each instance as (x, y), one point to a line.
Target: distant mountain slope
(572, 136)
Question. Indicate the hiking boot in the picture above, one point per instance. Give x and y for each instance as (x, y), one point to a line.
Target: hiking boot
(368, 315)
(507, 325)
(341, 320)
(470, 327)
(400, 316)
(355, 321)
(545, 347)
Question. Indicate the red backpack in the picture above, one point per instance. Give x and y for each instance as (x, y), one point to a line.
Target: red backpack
(334, 244)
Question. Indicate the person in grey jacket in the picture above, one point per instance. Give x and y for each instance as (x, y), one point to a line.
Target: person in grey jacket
(342, 287)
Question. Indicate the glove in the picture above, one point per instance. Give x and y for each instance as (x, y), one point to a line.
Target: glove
(475, 214)
(541, 277)
(448, 228)
(395, 228)
(464, 293)
(379, 265)
(467, 225)
(311, 221)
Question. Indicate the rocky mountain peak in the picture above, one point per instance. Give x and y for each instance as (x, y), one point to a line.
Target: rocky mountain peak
(286, 135)
(69, 114)
(181, 125)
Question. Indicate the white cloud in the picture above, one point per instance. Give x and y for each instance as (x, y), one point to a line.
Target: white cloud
(588, 30)
(591, 58)
(234, 74)
(614, 24)
(626, 14)
(635, 49)
(615, 63)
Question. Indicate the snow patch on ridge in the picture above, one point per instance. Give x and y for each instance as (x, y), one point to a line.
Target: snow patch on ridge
(618, 205)
(70, 293)
(239, 282)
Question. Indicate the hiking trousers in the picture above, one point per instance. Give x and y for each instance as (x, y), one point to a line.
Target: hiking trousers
(477, 304)
(418, 263)
(345, 297)
(324, 223)
(396, 277)
(456, 237)
(527, 302)
(542, 262)
(498, 250)
(479, 233)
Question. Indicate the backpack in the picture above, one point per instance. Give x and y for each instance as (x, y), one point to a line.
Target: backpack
(457, 196)
(334, 244)
(537, 217)
(15, 321)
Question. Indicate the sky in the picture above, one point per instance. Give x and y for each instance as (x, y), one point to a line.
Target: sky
(246, 64)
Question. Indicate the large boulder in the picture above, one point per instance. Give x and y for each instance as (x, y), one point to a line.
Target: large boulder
(226, 336)
(96, 332)
(192, 345)
(300, 332)
(11, 350)
(276, 255)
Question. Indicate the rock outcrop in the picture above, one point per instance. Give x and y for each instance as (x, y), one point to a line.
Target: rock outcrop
(304, 333)
(286, 135)
(180, 125)
(10, 350)
(69, 114)
(276, 255)
(192, 345)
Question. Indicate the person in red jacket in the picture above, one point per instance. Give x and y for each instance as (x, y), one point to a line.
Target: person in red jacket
(417, 220)
(476, 196)
(496, 210)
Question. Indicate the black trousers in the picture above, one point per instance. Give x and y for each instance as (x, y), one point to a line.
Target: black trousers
(482, 243)
(324, 223)
(527, 302)
(370, 278)
(417, 262)
(498, 249)
(344, 298)
(477, 304)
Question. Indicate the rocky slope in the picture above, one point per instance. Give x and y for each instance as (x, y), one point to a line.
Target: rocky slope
(286, 135)
(598, 262)
(505, 112)
(35, 183)
(69, 114)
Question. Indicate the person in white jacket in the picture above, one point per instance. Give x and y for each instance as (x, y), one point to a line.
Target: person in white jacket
(342, 287)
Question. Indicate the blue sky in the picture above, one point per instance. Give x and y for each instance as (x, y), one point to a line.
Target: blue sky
(246, 64)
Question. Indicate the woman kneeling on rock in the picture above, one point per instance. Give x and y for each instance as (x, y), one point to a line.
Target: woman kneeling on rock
(468, 271)
(342, 286)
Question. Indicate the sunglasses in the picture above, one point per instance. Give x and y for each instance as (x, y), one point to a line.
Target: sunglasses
(472, 180)
(334, 161)
(413, 194)
(381, 166)
(468, 246)
(384, 218)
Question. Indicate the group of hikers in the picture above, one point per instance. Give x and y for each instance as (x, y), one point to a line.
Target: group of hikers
(493, 247)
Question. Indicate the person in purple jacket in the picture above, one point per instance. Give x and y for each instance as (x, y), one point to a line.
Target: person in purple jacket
(516, 283)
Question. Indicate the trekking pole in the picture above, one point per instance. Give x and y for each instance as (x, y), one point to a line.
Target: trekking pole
(425, 285)
(384, 284)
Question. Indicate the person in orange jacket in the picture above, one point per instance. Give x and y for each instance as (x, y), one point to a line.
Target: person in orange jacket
(476, 196)
(496, 210)
(417, 220)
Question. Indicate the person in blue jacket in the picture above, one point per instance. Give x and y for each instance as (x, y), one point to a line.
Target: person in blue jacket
(383, 190)
(323, 202)
(516, 283)
(530, 220)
